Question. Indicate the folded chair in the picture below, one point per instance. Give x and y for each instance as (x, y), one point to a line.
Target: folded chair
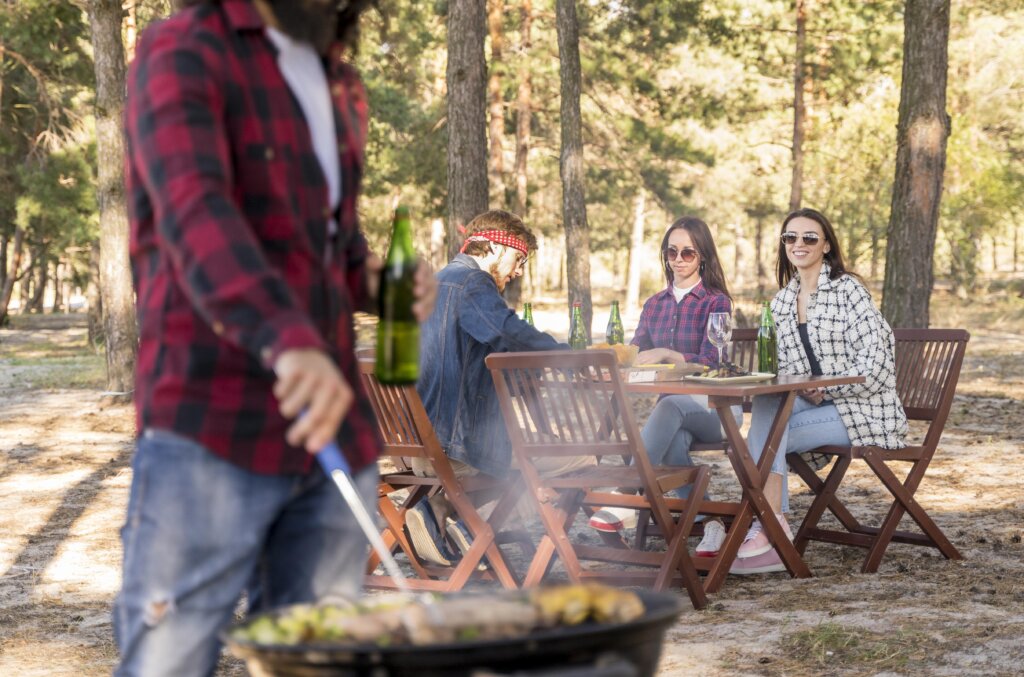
(927, 369)
(408, 434)
(572, 403)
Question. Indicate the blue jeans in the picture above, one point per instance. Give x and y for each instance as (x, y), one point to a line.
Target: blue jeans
(676, 422)
(810, 426)
(200, 530)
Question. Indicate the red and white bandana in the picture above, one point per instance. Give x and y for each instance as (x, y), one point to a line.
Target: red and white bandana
(499, 237)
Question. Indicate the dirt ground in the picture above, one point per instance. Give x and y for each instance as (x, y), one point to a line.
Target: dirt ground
(64, 477)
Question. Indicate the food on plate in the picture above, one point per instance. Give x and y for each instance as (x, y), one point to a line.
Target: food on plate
(402, 620)
(624, 354)
(724, 370)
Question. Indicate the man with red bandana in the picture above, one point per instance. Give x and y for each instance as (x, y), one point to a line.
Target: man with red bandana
(471, 320)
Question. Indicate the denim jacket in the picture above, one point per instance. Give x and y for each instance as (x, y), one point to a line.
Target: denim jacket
(470, 321)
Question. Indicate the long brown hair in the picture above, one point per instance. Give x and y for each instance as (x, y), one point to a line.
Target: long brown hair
(710, 267)
(785, 270)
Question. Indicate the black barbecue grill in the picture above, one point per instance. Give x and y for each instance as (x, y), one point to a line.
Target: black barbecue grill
(605, 649)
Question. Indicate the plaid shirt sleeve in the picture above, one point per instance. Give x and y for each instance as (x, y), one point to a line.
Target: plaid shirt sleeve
(179, 147)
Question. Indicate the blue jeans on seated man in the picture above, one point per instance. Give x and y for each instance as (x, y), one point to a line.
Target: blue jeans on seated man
(675, 424)
(199, 530)
(810, 426)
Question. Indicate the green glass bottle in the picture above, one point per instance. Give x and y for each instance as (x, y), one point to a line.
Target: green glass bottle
(528, 313)
(767, 342)
(578, 332)
(615, 334)
(398, 333)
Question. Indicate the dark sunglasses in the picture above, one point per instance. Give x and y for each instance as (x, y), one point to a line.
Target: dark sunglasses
(687, 254)
(810, 239)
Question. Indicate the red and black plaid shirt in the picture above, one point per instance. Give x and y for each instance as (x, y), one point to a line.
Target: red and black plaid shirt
(230, 249)
(681, 326)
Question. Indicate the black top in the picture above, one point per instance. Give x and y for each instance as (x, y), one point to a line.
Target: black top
(806, 340)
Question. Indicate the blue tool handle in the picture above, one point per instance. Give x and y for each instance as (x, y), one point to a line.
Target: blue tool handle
(331, 459)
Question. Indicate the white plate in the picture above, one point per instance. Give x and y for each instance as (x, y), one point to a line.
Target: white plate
(749, 378)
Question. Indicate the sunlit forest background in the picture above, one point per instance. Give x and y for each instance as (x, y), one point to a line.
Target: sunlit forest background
(687, 108)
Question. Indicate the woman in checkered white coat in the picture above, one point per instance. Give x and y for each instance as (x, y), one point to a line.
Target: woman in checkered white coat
(826, 324)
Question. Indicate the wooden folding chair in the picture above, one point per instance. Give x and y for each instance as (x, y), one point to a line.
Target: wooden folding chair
(408, 434)
(572, 403)
(927, 369)
(744, 354)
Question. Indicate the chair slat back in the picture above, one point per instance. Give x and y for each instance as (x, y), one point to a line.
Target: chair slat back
(564, 402)
(400, 414)
(744, 348)
(928, 365)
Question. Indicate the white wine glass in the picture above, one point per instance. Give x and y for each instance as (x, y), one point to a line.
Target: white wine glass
(720, 331)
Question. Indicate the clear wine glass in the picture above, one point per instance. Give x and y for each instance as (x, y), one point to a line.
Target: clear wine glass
(720, 331)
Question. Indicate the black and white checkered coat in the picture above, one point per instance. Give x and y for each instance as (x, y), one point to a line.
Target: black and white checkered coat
(849, 336)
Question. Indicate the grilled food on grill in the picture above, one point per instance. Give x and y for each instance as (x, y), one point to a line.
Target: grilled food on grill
(574, 604)
(463, 618)
(724, 370)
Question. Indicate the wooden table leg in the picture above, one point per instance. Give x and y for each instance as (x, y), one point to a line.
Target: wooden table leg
(753, 479)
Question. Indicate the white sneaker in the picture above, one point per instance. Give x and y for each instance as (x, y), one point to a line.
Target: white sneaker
(614, 519)
(714, 536)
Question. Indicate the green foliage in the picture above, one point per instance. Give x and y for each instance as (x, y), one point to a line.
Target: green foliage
(687, 101)
(46, 155)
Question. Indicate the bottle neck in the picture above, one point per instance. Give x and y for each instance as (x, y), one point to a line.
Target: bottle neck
(401, 236)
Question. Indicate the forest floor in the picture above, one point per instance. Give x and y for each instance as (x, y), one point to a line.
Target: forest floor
(65, 471)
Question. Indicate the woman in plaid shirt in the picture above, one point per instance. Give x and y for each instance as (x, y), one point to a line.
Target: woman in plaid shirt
(673, 328)
(827, 324)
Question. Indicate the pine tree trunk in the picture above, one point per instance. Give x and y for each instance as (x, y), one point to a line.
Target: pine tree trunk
(8, 287)
(496, 101)
(467, 117)
(1016, 248)
(636, 244)
(799, 110)
(93, 298)
(524, 111)
(58, 287)
(41, 268)
(762, 272)
(4, 242)
(574, 206)
(921, 136)
(524, 107)
(120, 329)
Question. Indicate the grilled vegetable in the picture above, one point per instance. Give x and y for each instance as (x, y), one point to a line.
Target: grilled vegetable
(400, 620)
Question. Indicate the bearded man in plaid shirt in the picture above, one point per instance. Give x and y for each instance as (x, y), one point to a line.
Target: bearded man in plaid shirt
(245, 137)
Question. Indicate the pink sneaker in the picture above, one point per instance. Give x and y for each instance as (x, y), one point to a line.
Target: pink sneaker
(757, 543)
(766, 563)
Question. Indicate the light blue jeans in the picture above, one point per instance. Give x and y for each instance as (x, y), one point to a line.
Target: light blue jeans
(810, 426)
(200, 530)
(676, 422)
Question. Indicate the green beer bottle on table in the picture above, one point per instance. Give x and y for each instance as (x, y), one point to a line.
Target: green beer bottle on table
(577, 331)
(614, 334)
(528, 313)
(767, 343)
(398, 333)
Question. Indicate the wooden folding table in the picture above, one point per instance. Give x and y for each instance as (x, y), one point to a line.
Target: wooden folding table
(752, 478)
